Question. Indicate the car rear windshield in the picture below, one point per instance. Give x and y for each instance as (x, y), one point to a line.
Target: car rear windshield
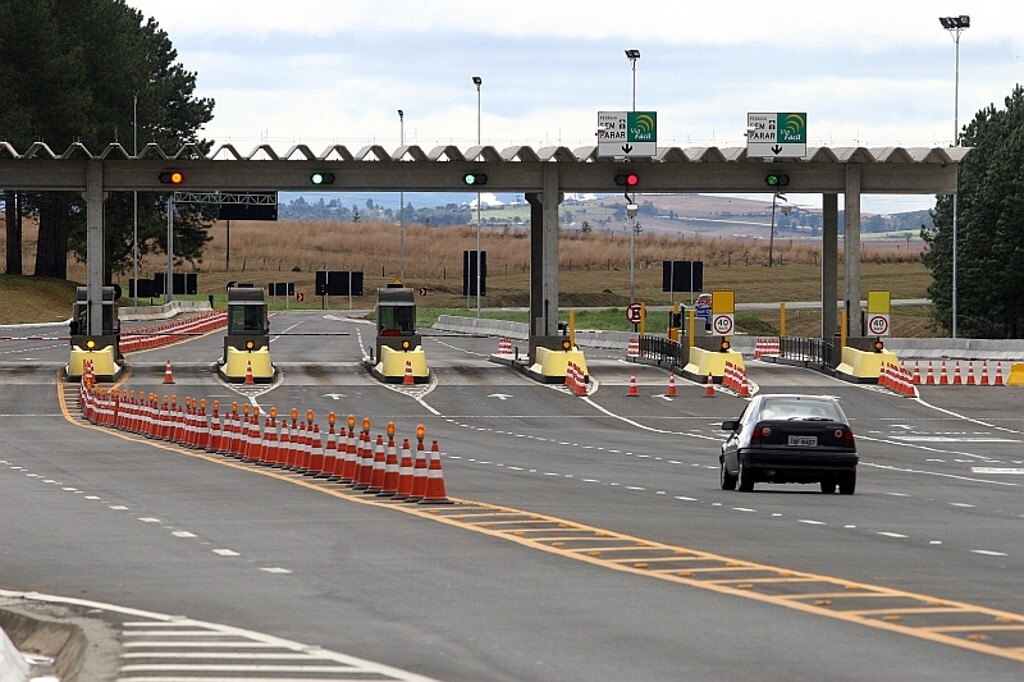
(819, 410)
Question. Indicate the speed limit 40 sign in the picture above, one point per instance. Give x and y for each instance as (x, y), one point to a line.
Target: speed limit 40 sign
(723, 324)
(878, 325)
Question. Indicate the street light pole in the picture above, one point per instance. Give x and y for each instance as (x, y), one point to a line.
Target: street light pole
(632, 56)
(401, 206)
(955, 26)
(478, 81)
(135, 199)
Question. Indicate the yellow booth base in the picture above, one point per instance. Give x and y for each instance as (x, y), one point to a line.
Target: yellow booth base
(391, 368)
(1016, 377)
(704, 362)
(551, 365)
(103, 364)
(864, 366)
(236, 365)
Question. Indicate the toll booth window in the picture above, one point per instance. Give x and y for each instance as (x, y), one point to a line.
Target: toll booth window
(247, 319)
(396, 321)
(109, 319)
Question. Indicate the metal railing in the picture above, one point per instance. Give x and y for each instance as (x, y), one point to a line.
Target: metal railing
(808, 351)
(661, 349)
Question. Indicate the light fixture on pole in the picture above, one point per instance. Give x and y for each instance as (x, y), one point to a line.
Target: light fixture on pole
(478, 81)
(955, 25)
(632, 56)
(401, 205)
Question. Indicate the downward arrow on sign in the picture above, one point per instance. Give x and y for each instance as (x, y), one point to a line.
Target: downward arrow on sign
(627, 148)
(776, 149)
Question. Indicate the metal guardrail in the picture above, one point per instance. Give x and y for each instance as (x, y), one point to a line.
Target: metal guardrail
(661, 349)
(809, 351)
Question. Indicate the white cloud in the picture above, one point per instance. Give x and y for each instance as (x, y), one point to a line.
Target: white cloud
(322, 72)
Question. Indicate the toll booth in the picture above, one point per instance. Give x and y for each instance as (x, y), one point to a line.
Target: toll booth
(102, 350)
(247, 343)
(399, 349)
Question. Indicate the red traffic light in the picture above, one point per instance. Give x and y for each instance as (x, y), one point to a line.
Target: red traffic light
(172, 177)
(627, 179)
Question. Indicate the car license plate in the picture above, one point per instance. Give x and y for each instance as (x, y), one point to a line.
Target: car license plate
(803, 441)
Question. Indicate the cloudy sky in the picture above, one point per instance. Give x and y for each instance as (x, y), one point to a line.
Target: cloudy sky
(868, 73)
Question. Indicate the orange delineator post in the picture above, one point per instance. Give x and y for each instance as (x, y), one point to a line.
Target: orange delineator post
(379, 467)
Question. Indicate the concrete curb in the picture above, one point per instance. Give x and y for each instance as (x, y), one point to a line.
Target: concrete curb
(65, 643)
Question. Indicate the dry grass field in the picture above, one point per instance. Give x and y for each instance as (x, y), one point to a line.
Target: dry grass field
(594, 268)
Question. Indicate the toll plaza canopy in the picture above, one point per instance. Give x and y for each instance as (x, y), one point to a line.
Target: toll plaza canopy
(542, 175)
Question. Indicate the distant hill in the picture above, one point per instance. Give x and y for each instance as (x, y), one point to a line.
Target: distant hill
(669, 214)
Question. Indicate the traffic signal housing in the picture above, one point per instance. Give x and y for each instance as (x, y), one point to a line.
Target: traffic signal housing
(776, 180)
(321, 178)
(627, 179)
(172, 177)
(474, 179)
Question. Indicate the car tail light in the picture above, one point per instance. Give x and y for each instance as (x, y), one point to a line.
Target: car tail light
(760, 432)
(847, 437)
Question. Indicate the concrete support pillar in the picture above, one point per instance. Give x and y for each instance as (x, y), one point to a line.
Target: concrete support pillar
(829, 265)
(851, 250)
(544, 255)
(94, 249)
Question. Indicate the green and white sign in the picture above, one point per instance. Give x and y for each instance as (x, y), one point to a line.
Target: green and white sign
(627, 133)
(775, 135)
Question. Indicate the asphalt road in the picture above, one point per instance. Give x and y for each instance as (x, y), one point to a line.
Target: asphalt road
(592, 540)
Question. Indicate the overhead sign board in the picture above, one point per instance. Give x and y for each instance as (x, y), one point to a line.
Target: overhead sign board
(631, 134)
(776, 135)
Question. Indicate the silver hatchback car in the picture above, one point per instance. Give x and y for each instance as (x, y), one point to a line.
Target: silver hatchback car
(790, 438)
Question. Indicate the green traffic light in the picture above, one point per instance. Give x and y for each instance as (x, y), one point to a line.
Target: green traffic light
(322, 178)
(474, 179)
(776, 179)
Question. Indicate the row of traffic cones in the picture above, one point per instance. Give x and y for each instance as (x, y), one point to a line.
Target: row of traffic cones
(249, 378)
(575, 379)
(154, 336)
(671, 390)
(297, 445)
(970, 377)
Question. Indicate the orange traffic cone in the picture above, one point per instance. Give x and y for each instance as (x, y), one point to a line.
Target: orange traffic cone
(391, 471)
(405, 472)
(671, 383)
(435, 492)
(168, 374)
(248, 373)
(408, 380)
(709, 390)
(419, 475)
(632, 384)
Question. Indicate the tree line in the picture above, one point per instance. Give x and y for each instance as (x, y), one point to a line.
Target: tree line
(95, 72)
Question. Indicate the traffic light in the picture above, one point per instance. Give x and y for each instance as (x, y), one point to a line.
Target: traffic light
(474, 179)
(172, 177)
(775, 180)
(321, 178)
(878, 346)
(724, 346)
(627, 179)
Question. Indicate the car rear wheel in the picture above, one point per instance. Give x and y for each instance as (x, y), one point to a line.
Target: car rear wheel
(828, 486)
(848, 483)
(746, 479)
(727, 480)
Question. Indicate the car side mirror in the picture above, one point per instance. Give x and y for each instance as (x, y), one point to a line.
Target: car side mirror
(730, 425)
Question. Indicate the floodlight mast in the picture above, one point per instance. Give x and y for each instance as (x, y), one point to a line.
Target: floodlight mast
(955, 26)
